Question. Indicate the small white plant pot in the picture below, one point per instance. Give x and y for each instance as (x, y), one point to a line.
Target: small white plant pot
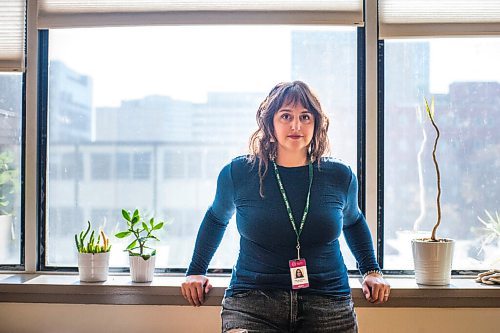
(142, 270)
(433, 261)
(93, 267)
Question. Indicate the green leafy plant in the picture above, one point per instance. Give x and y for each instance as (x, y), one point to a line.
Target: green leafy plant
(142, 231)
(93, 245)
(491, 230)
(8, 182)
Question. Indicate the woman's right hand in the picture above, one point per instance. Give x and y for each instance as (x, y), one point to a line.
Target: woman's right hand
(194, 289)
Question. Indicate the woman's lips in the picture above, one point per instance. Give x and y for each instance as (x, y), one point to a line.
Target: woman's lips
(295, 137)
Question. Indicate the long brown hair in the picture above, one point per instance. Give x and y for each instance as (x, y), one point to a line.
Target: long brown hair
(263, 145)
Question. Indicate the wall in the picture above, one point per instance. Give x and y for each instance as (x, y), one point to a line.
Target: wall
(71, 318)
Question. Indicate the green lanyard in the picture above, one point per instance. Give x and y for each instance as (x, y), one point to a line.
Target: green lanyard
(287, 204)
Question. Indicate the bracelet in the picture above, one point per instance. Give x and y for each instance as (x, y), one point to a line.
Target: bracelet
(378, 271)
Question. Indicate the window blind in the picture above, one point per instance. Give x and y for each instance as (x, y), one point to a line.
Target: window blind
(72, 13)
(12, 35)
(421, 18)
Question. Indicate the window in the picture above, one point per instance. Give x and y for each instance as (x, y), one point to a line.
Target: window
(173, 164)
(101, 166)
(71, 166)
(145, 116)
(10, 168)
(122, 165)
(194, 168)
(60, 227)
(142, 165)
(172, 127)
(463, 76)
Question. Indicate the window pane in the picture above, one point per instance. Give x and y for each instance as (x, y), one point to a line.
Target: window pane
(464, 78)
(10, 166)
(173, 163)
(142, 165)
(122, 165)
(101, 166)
(71, 166)
(155, 113)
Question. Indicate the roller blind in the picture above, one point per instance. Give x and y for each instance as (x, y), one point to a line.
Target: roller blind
(421, 18)
(12, 35)
(72, 13)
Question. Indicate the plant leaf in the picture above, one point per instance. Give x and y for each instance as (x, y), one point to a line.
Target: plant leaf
(132, 245)
(91, 240)
(489, 215)
(123, 234)
(82, 238)
(158, 226)
(126, 215)
(428, 110)
(432, 106)
(145, 226)
(77, 245)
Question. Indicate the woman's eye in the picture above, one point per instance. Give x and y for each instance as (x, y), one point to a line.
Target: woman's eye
(285, 116)
(306, 117)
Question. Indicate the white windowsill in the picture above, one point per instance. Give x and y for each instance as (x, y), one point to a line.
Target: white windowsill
(463, 292)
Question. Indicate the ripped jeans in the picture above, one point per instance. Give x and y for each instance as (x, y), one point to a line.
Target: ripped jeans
(267, 311)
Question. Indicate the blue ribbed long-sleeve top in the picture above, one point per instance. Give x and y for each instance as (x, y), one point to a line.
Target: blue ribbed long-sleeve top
(267, 239)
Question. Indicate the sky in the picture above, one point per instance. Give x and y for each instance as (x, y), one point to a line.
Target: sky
(181, 62)
(471, 59)
(187, 62)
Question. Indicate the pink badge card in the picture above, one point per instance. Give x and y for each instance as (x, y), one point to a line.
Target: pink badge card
(298, 273)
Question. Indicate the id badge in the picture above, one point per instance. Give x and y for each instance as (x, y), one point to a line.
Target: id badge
(298, 273)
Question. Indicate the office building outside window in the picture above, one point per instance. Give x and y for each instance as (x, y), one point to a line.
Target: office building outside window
(155, 137)
(10, 168)
(463, 77)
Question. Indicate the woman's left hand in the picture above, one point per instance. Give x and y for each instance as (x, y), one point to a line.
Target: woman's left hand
(375, 288)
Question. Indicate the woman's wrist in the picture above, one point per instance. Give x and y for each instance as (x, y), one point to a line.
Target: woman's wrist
(373, 271)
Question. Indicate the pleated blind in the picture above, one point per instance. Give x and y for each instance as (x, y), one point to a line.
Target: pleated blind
(12, 35)
(72, 13)
(421, 18)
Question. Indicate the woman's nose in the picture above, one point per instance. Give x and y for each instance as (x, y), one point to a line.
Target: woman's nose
(296, 124)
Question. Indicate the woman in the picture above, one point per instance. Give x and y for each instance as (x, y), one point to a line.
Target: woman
(291, 206)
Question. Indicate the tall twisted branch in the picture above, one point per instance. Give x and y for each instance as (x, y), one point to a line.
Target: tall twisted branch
(430, 112)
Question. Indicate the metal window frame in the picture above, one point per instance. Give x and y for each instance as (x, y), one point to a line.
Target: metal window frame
(380, 173)
(43, 78)
(22, 235)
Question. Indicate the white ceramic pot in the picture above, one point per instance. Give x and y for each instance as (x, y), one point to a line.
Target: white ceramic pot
(433, 261)
(5, 237)
(142, 270)
(93, 267)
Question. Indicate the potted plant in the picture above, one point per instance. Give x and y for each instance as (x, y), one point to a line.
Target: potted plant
(9, 180)
(141, 254)
(433, 256)
(490, 235)
(93, 255)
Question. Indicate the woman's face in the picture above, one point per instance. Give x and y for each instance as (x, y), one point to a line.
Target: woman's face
(293, 129)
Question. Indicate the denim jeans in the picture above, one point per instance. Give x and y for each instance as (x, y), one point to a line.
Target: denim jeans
(266, 311)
